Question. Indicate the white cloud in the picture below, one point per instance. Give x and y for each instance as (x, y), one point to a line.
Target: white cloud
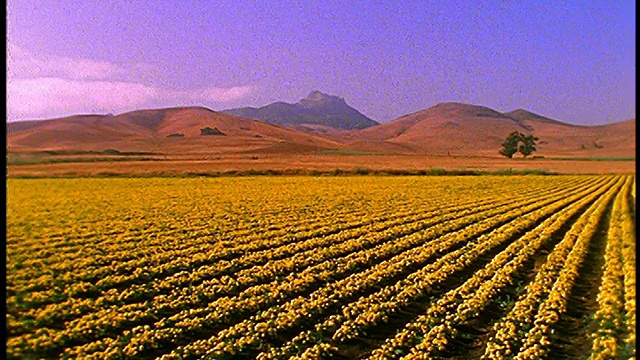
(23, 64)
(52, 97)
(43, 98)
(39, 88)
(212, 94)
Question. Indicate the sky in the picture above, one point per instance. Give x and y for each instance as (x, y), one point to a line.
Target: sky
(572, 61)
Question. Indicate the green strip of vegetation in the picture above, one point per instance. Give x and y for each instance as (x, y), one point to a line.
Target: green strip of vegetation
(301, 172)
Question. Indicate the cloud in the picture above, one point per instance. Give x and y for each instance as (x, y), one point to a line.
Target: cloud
(51, 97)
(23, 64)
(213, 94)
(48, 97)
(55, 86)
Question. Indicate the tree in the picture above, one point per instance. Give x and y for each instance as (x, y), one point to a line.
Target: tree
(518, 142)
(528, 145)
(210, 131)
(510, 146)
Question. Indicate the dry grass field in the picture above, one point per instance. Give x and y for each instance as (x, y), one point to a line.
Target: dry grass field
(56, 166)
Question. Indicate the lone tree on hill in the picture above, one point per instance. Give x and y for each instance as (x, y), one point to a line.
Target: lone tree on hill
(528, 145)
(512, 144)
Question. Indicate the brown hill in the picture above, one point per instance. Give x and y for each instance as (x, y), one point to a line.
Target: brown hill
(172, 130)
(462, 129)
(448, 128)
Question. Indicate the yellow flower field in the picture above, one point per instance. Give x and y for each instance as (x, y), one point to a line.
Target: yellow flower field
(379, 267)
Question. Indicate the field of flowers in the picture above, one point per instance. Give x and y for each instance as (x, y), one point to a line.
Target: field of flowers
(366, 267)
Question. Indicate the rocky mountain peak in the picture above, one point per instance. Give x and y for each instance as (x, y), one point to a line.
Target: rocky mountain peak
(317, 108)
(318, 98)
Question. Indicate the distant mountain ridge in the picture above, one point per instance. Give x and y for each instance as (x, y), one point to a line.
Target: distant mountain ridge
(444, 129)
(316, 109)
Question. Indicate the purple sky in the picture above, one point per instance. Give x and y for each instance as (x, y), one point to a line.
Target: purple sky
(573, 61)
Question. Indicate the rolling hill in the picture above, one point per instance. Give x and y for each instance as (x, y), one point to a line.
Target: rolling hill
(171, 130)
(445, 129)
(463, 129)
(316, 109)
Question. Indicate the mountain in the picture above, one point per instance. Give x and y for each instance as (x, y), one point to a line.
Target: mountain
(464, 129)
(316, 109)
(171, 130)
(445, 129)
(523, 116)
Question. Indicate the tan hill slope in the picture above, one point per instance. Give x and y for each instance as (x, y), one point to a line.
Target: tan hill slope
(462, 129)
(448, 128)
(173, 130)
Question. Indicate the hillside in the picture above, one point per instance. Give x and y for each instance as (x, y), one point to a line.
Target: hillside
(172, 130)
(463, 129)
(445, 129)
(316, 109)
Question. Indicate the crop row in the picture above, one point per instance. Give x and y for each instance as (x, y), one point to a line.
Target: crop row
(216, 313)
(303, 275)
(356, 318)
(616, 312)
(334, 267)
(159, 285)
(545, 298)
(431, 332)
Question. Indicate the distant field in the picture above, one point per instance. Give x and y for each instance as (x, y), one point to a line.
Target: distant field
(322, 267)
(158, 164)
(596, 158)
